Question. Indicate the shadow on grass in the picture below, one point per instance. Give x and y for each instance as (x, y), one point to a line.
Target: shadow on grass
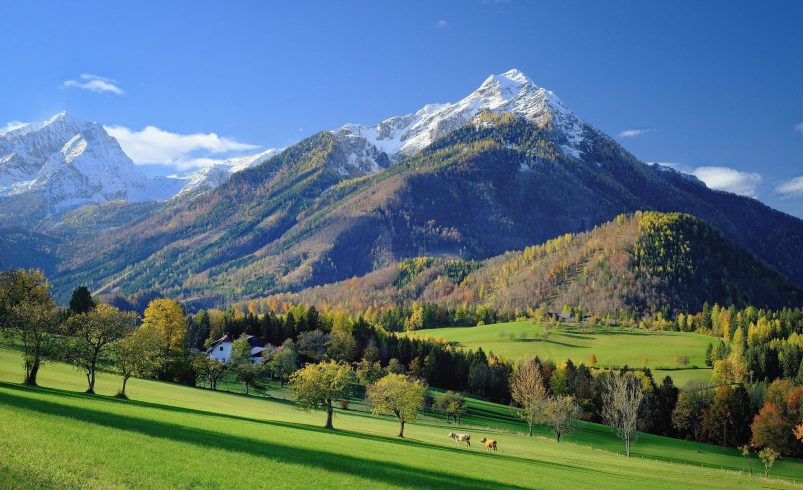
(379, 471)
(566, 344)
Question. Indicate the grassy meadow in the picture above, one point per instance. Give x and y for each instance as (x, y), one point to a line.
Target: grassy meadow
(170, 436)
(612, 346)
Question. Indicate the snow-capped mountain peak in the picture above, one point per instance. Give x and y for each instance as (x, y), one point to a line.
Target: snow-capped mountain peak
(215, 175)
(65, 161)
(62, 162)
(511, 91)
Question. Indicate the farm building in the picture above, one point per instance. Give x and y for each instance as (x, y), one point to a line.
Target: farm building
(221, 349)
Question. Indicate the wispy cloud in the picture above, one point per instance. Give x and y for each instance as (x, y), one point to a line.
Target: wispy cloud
(11, 126)
(441, 24)
(182, 151)
(791, 188)
(799, 128)
(729, 179)
(632, 133)
(94, 83)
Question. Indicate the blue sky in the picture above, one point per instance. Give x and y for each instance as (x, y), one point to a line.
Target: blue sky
(715, 88)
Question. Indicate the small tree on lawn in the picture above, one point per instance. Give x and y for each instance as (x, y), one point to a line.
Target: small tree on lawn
(745, 449)
(592, 360)
(283, 361)
(245, 369)
(27, 309)
(399, 395)
(451, 405)
(561, 413)
(216, 371)
(208, 369)
(165, 319)
(768, 456)
(528, 392)
(621, 400)
(137, 355)
(316, 386)
(91, 334)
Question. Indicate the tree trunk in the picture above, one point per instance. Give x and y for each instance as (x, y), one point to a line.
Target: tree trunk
(329, 415)
(31, 372)
(531, 428)
(627, 447)
(401, 428)
(246, 388)
(90, 377)
(122, 391)
(557, 436)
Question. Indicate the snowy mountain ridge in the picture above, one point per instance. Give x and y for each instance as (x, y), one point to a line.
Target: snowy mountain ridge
(64, 162)
(67, 162)
(511, 91)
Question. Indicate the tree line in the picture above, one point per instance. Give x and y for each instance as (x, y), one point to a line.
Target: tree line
(167, 344)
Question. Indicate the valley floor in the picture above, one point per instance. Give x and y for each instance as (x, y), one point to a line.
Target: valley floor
(171, 436)
(614, 347)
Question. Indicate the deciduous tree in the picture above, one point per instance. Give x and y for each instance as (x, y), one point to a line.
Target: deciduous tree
(561, 414)
(165, 318)
(768, 456)
(399, 395)
(528, 392)
(91, 334)
(283, 361)
(317, 385)
(621, 400)
(452, 405)
(27, 309)
(137, 355)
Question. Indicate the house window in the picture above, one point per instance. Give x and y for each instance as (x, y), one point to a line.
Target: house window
(221, 348)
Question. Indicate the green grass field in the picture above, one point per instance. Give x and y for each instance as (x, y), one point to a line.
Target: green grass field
(171, 436)
(613, 347)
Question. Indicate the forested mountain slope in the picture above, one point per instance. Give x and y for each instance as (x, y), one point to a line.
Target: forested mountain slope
(645, 262)
(334, 206)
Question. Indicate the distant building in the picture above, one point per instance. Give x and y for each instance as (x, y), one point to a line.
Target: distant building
(221, 349)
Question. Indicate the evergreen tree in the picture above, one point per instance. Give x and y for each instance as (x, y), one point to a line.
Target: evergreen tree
(81, 300)
(709, 360)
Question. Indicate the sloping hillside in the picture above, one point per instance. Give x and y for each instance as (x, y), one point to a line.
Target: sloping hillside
(646, 262)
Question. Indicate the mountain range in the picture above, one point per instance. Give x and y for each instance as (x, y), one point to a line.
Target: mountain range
(507, 167)
(53, 166)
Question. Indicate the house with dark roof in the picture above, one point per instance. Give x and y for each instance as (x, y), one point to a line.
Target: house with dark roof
(220, 350)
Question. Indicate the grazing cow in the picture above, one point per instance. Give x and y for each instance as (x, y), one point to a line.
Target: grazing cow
(490, 444)
(458, 438)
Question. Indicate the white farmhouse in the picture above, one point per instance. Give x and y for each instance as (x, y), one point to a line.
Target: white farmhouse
(221, 349)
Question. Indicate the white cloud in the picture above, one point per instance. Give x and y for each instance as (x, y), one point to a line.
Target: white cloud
(94, 83)
(632, 133)
(12, 125)
(182, 151)
(441, 24)
(791, 188)
(729, 179)
(799, 128)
